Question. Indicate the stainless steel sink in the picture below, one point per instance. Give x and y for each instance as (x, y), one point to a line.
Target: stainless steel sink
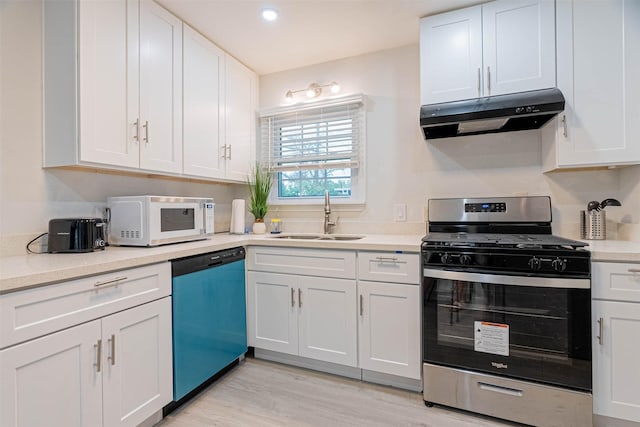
(339, 237)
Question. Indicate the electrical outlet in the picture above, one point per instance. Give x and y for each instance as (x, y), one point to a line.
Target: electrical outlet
(400, 212)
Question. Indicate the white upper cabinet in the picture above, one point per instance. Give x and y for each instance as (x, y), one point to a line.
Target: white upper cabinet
(241, 98)
(598, 65)
(500, 47)
(203, 106)
(113, 85)
(451, 56)
(160, 89)
(115, 96)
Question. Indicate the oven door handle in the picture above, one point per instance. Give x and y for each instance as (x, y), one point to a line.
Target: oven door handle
(498, 279)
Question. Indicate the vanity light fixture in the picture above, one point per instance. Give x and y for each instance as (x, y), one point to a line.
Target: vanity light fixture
(314, 90)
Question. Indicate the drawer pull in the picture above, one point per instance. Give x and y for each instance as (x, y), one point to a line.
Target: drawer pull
(500, 389)
(112, 357)
(634, 270)
(600, 327)
(387, 258)
(110, 282)
(98, 363)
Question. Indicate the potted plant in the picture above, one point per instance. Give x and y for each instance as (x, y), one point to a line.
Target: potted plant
(259, 183)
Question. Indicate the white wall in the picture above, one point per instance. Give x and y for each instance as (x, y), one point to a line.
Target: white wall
(30, 195)
(403, 168)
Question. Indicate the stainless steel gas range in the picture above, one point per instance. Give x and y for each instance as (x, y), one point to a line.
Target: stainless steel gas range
(507, 311)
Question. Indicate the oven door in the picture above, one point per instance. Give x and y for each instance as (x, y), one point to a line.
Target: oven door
(531, 328)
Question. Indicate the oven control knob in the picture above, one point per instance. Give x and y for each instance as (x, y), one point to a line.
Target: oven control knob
(446, 258)
(535, 263)
(559, 264)
(465, 259)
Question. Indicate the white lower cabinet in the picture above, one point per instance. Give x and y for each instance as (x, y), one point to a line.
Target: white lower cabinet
(389, 313)
(114, 369)
(389, 328)
(306, 316)
(616, 333)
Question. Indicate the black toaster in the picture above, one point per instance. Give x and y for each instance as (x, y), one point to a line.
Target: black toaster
(76, 235)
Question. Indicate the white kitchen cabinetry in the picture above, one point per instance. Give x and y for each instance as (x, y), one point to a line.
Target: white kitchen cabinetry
(112, 85)
(389, 313)
(220, 98)
(598, 62)
(241, 99)
(300, 313)
(616, 333)
(203, 93)
(499, 47)
(111, 367)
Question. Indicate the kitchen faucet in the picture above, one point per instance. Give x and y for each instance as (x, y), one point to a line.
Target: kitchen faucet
(327, 213)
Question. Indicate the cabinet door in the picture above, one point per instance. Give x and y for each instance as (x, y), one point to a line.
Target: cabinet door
(53, 380)
(389, 325)
(108, 76)
(451, 56)
(598, 65)
(272, 312)
(616, 373)
(137, 374)
(203, 68)
(160, 89)
(518, 46)
(241, 87)
(327, 319)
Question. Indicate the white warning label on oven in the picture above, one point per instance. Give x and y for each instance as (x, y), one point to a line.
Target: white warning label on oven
(491, 337)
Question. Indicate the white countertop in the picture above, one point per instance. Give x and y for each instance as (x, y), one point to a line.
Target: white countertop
(26, 271)
(614, 250)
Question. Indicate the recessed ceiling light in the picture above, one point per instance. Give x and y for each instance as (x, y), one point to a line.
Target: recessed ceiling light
(269, 14)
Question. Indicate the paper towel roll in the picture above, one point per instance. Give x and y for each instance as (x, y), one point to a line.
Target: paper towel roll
(237, 216)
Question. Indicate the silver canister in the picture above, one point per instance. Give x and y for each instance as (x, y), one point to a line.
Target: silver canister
(593, 225)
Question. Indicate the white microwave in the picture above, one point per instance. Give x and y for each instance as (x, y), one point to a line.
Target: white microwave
(158, 220)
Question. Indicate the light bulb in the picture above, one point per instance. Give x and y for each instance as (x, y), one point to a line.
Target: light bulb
(269, 14)
(313, 90)
(335, 87)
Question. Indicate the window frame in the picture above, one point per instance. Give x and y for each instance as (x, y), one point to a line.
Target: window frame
(358, 181)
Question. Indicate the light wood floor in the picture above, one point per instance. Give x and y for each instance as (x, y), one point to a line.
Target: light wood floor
(261, 393)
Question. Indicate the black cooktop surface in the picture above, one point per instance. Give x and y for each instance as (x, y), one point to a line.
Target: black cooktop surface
(488, 240)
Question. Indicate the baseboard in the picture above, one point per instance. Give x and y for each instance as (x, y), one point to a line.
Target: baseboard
(602, 421)
(392, 380)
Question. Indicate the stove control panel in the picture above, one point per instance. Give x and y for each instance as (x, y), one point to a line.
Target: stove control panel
(485, 207)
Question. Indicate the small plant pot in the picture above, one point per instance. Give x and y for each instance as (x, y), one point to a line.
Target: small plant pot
(259, 228)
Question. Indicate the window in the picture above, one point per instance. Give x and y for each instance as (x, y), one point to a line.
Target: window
(315, 147)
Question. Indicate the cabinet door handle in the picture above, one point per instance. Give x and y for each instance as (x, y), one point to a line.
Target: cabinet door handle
(146, 131)
(387, 258)
(229, 158)
(98, 363)
(136, 125)
(293, 302)
(299, 298)
(634, 270)
(489, 80)
(361, 306)
(479, 82)
(223, 151)
(112, 356)
(564, 125)
(110, 282)
(600, 329)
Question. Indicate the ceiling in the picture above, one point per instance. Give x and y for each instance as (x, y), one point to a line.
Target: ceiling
(307, 31)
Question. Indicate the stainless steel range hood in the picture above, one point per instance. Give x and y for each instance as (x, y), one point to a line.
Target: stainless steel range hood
(500, 113)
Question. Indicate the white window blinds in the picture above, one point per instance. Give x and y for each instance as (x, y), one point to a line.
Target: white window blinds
(322, 135)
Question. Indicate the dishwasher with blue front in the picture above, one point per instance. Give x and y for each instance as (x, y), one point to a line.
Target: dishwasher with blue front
(209, 319)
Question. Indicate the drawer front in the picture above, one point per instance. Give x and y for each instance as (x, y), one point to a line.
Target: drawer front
(389, 267)
(36, 312)
(308, 262)
(616, 281)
